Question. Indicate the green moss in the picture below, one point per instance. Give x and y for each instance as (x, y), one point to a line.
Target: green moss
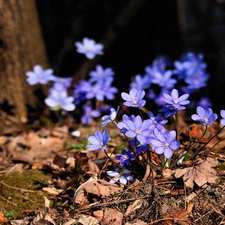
(22, 191)
(220, 166)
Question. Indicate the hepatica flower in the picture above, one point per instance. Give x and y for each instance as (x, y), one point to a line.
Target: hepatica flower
(164, 142)
(222, 113)
(136, 128)
(89, 47)
(98, 141)
(107, 119)
(204, 115)
(134, 98)
(122, 176)
(57, 100)
(39, 75)
(125, 157)
(176, 101)
(89, 114)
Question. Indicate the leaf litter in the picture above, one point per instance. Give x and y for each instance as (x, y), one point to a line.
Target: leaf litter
(76, 195)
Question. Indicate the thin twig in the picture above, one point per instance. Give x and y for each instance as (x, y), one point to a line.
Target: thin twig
(20, 189)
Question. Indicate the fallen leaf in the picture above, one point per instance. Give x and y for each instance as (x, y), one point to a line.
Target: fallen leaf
(85, 220)
(199, 174)
(109, 216)
(96, 187)
(139, 203)
(3, 219)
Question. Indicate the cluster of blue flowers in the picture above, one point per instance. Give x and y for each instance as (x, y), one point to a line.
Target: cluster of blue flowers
(184, 76)
(148, 134)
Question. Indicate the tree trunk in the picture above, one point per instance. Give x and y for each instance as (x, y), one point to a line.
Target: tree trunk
(21, 47)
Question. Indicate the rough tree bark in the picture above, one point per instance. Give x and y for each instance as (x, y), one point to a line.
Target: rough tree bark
(21, 47)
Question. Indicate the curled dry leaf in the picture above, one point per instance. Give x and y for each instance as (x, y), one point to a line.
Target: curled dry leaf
(109, 216)
(199, 174)
(96, 187)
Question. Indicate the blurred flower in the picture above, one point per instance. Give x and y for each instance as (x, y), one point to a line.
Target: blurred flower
(89, 113)
(98, 141)
(39, 75)
(164, 143)
(109, 118)
(57, 100)
(204, 102)
(164, 79)
(222, 113)
(65, 81)
(141, 83)
(122, 176)
(108, 90)
(100, 74)
(134, 98)
(157, 121)
(204, 115)
(89, 48)
(176, 101)
(125, 157)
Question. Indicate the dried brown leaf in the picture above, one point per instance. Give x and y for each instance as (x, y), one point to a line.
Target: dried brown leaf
(199, 174)
(109, 216)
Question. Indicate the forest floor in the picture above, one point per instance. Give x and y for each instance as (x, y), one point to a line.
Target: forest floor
(47, 176)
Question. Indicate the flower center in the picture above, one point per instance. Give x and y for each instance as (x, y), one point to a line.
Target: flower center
(205, 119)
(175, 101)
(166, 144)
(135, 101)
(138, 131)
(101, 144)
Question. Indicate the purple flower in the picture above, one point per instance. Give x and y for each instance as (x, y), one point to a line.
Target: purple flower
(109, 118)
(204, 102)
(176, 101)
(136, 128)
(141, 83)
(93, 91)
(109, 91)
(140, 146)
(157, 121)
(204, 115)
(134, 98)
(197, 80)
(65, 81)
(98, 141)
(39, 75)
(123, 126)
(57, 100)
(222, 113)
(89, 48)
(164, 143)
(168, 110)
(125, 157)
(164, 79)
(123, 176)
(89, 113)
(101, 74)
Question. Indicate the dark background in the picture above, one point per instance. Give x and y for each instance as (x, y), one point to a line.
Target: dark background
(162, 27)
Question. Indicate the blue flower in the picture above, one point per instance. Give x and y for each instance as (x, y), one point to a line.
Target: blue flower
(134, 98)
(197, 80)
(222, 113)
(204, 115)
(123, 176)
(89, 113)
(89, 48)
(100, 74)
(107, 89)
(157, 121)
(164, 142)
(57, 100)
(109, 118)
(140, 146)
(125, 157)
(39, 75)
(204, 102)
(168, 110)
(176, 101)
(141, 83)
(98, 141)
(136, 128)
(164, 79)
